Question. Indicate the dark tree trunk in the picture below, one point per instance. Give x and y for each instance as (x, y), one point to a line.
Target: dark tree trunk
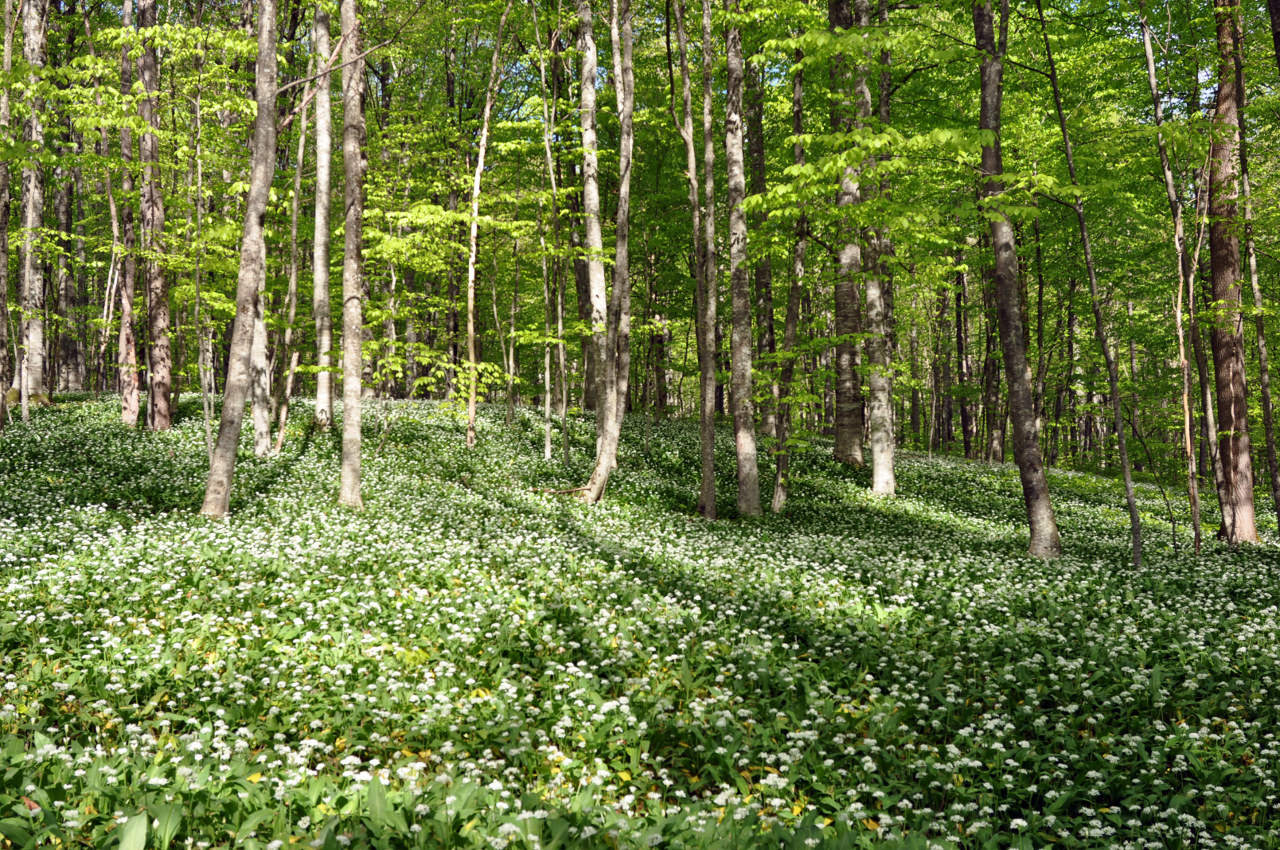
(160, 359)
(1044, 541)
(1227, 337)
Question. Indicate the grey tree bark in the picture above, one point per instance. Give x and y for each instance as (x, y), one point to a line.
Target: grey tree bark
(34, 24)
(593, 241)
(616, 364)
(160, 358)
(740, 347)
(849, 412)
(1045, 542)
(879, 300)
(127, 344)
(320, 307)
(253, 268)
(353, 164)
(1227, 336)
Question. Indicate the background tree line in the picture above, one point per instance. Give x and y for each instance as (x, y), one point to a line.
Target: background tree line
(1008, 230)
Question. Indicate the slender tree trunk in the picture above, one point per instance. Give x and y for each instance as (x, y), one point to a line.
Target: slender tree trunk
(766, 345)
(70, 354)
(1100, 330)
(704, 299)
(5, 200)
(320, 308)
(34, 20)
(285, 388)
(1044, 542)
(549, 108)
(878, 288)
(616, 364)
(253, 268)
(473, 357)
(354, 164)
(127, 346)
(968, 427)
(1227, 337)
(1264, 366)
(795, 295)
(160, 360)
(744, 425)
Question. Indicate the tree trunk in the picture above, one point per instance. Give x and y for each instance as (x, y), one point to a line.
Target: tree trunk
(353, 166)
(1044, 542)
(34, 19)
(1227, 337)
(849, 414)
(791, 324)
(1264, 367)
(5, 117)
(127, 346)
(473, 354)
(703, 298)
(741, 349)
(878, 287)
(70, 350)
(968, 425)
(549, 108)
(320, 308)
(1100, 331)
(284, 390)
(617, 354)
(1186, 282)
(253, 268)
(765, 342)
(159, 360)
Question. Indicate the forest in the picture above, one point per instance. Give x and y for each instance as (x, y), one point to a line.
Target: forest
(530, 423)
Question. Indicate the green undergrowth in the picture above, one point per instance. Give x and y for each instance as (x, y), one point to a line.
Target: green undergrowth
(477, 661)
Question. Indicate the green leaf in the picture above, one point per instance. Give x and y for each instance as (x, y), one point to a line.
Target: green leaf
(133, 835)
(377, 802)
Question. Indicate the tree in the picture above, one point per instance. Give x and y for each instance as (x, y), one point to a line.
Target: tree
(320, 308)
(744, 434)
(5, 117)
(32, 367)
(616, 364)
(127, 345)
(253, 268)
(849, 421)
(473, 363)
(1045, 542)
(704, 305)
(1099, 324)
(160, 359)
(353, 165)
(1227, 334)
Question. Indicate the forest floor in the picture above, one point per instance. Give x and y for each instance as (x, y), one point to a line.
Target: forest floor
(474, 662)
